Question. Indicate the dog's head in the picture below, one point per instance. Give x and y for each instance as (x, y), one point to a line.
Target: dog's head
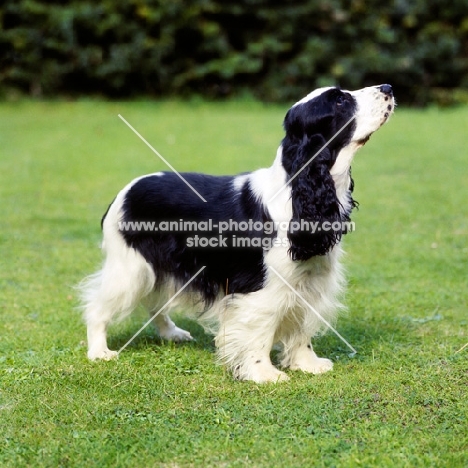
(323, 131)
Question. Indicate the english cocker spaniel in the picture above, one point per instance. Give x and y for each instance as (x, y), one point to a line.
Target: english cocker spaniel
(257, 254)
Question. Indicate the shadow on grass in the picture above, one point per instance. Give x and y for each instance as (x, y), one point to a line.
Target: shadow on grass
(149, 338)
(363, 335)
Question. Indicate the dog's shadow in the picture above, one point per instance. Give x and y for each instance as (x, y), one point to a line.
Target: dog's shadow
(363, 337)
(121, 334)
(360, 335)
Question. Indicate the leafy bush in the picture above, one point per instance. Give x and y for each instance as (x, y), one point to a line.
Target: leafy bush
(277, 50)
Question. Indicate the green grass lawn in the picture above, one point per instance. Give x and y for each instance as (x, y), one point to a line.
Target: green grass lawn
(401, 401)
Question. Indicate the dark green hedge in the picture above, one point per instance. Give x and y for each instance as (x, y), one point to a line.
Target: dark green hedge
(277, 50)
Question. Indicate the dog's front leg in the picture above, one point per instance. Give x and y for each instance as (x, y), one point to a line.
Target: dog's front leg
(244, 347)
(301, 356)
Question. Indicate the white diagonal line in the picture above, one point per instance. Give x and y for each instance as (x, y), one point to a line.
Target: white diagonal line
(160, 310)
(311, 159)
(161, 157)
(314, 311)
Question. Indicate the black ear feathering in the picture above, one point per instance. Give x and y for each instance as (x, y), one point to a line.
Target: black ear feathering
(314, 201)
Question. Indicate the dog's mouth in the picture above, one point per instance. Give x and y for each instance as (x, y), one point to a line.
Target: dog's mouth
(390, 109)
(364, 140)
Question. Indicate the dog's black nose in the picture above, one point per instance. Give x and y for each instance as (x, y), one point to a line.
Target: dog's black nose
(386, 89)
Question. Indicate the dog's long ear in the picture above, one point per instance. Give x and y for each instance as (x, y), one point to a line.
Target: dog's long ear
(314, 200)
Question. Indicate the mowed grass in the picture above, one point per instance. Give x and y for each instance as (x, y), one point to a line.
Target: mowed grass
(401, 401)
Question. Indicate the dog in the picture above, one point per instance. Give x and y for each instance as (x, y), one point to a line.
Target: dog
(283, 283)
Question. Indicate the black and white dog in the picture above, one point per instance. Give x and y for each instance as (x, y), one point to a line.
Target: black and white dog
(282, 282)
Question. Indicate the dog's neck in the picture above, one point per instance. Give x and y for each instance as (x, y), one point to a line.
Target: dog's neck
(340, 171)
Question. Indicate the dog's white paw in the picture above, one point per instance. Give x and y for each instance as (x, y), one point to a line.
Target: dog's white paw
(274, 376)
(314, 366)
(175, 334)
(104, 354)
(260, 373)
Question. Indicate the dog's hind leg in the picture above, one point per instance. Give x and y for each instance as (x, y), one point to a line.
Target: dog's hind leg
(113, 293)
(166, 328)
